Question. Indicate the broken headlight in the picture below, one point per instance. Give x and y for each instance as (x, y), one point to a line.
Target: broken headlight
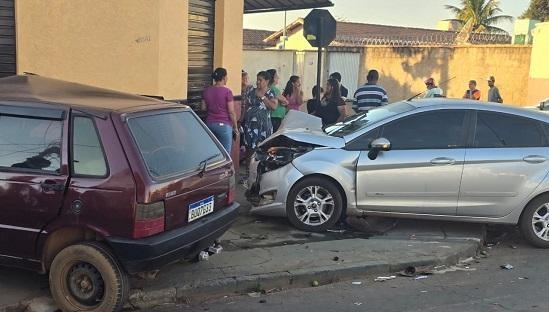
(276, 157)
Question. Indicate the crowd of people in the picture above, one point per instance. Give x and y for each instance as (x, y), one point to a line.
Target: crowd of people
(264, 105)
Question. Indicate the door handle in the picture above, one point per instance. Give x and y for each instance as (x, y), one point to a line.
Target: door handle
(50, 185)
(534, 159)
(439, 161)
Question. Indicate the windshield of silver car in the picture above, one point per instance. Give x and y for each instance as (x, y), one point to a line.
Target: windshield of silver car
(359, 121)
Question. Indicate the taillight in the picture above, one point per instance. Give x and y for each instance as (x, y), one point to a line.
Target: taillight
(149, 220)
(232, 185)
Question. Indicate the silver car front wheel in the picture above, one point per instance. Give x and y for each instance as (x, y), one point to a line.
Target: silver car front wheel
(534, 223)
(314, 204)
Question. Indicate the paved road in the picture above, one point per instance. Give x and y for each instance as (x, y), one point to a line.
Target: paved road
(487, 288)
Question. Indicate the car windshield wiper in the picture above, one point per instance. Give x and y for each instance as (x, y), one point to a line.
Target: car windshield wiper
(202, 165)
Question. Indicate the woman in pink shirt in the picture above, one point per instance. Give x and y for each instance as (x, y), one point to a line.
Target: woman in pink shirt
(217, 101)
(293, 93)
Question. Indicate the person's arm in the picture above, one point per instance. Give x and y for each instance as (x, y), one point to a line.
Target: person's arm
(498, 96)
(270, 100)
(203, 106)
(341, 110)
(385, 99)
(282, 100)
(299, 97)
(232, 112)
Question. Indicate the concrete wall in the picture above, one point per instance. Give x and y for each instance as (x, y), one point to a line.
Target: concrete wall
(137, 46)
(538, 86)
(255, 61)
(403, 69)
(228, 40)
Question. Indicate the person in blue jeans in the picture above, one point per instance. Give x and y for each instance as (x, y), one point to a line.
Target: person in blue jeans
(217, 101)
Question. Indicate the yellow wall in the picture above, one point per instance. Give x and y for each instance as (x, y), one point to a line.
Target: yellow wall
(228, 40)
(297, 42)
(403, 69)
(539, 67)
(138, 46)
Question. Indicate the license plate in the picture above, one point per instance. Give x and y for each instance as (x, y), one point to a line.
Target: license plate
(201, 208)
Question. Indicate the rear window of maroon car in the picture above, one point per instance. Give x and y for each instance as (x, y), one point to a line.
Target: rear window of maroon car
(172, 143)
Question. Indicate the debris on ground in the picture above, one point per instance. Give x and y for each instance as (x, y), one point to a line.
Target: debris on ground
(384, 278)
(442, 269)
(254, 294)
(357, 283)
(315, 283)
(523, 278)
(507, 266)
(336, 259)
(357, 303)
(408, 272)
(262, 301)
(420, 277)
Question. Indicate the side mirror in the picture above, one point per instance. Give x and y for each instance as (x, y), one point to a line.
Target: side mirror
(378, 145)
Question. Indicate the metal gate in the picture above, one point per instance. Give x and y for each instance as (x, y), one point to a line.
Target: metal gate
(7, 38)
(201, 48)
(348, 65)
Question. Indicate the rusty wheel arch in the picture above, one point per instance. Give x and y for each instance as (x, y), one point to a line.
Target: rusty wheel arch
(62, 238)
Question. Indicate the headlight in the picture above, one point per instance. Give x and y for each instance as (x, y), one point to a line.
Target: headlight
(276, 157)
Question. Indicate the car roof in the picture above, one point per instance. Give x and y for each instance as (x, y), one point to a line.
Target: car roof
(478, 105)
(34, 88)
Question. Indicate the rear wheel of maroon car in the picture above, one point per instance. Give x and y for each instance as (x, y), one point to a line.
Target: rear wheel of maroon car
(314, 204)
(86, 277)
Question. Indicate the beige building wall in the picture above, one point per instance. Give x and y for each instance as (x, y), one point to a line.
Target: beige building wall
(137, 46)
(539, 67)
(403, 69)
(228, 40)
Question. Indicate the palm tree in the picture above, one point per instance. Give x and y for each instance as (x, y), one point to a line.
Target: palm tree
(481, 14)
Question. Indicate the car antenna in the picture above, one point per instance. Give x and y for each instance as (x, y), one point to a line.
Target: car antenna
(443, 82)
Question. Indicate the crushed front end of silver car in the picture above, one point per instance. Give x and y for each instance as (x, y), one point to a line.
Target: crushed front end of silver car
(271, 164)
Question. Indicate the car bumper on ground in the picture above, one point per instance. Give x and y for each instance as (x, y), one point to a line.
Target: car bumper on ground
(153, 252)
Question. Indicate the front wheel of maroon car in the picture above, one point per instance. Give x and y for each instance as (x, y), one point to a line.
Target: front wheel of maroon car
(86, 277)
(314, 204)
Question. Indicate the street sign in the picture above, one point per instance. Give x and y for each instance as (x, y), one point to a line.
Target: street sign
(319, 28)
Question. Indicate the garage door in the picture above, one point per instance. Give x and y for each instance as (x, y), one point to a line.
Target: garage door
(7, 38)
(348, 64)
(201, 48)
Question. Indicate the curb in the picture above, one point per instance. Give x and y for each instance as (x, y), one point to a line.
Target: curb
(197, 291)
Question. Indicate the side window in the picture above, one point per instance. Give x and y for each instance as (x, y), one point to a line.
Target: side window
(496, 130)
(30, 143)
(87, 154)
(430, 130)
(362, 143)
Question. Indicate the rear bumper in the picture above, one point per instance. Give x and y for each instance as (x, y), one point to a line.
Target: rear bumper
(151, 253)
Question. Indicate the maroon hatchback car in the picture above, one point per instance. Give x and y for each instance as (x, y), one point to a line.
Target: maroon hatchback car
(96, 184)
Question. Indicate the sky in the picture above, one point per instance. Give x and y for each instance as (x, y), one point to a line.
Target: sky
(409, 13)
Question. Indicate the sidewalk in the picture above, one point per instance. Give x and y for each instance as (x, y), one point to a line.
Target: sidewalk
(262, 254)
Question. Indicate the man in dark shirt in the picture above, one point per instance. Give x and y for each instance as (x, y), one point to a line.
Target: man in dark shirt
(344, 91)
(313, 103)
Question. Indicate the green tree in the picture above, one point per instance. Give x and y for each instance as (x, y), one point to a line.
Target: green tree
(538, 10)
(480, 14)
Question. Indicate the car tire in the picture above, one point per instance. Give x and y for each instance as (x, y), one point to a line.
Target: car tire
(86, 277)
(314, 204)
(534, 222)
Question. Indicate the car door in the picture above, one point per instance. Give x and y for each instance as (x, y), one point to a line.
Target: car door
(33, 176)
(421, 173)
(507, 160)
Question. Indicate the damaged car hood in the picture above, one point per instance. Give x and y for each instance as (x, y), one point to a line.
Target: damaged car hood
(305, 128)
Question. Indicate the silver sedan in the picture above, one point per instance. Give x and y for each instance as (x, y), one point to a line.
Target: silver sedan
(433, 159)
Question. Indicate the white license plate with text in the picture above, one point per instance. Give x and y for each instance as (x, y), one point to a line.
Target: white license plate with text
(201, 208)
